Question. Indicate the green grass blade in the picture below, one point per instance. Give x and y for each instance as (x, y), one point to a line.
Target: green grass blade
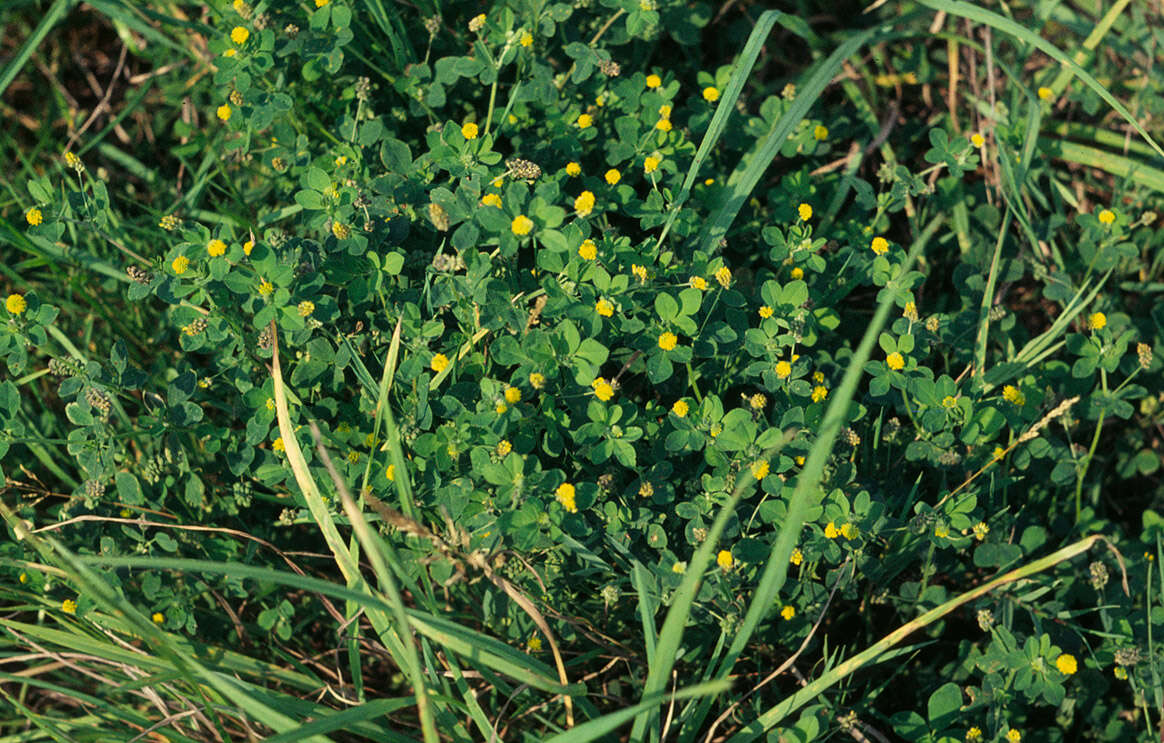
(87, 582)
(473, 645)
(640, 579)
(375, 549)
(745, 177)
(54, 14)
(595, 729)
(807, 484)
(1136, 171)
(671, 635)
(345, 720)
(881, 650)
(982, 15)
(723, 111)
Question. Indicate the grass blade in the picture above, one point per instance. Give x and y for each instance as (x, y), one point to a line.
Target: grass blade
(807, 483)
(878, 651)
(744, 178)
(982, 15)
(50, 19)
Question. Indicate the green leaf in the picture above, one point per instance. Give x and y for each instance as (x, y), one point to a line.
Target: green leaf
(79, 414)
(942, 708)
(318, 179)
(128, 489)
(666, 307)
(553, 240)
(309, 199)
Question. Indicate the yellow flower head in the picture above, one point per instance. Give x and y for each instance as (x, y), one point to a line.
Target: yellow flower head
(1066, 664)
(820, 132)
(724, 276)
(239, 35)
(215, 248)
(565, 495)
(805, 212)
(180, 264)
(15, 304)
(491, 199)
(573, 169)
(526, 39)
(725, 560)
(654, 81)
(604, 307)
(1014, 395)
(69, 606)
(880, 246)
(788, 612)
(469, 130)
(223, 112)
(584, 204)
(306, 307)
(679, 568)
(895, 361)
(476, 22)
(831, 531)
(512, 395)
(759, 469)
(341, 230)
(33, 216)
(711, 94)
(158, 618)
(536, 380)
(783, 369)
(668, 340)
(797, 557)
(521, 225)
(1012, 735)
(248, 246)
(819, 393)
(612, 176)
(680, 409)
(640, 272)
(438, 363)
(266, 288)
(977, 140)
(797, 273)
(980, 530)
(584, 121)
(651, 164)
(663, 125)
(698, 282)
(588, 250)
(1045, 93)
(503, 448)
(765, 311)
(602, 389)
(1098, 321)
(848, 531)
(1106, 217)
(390, 473)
